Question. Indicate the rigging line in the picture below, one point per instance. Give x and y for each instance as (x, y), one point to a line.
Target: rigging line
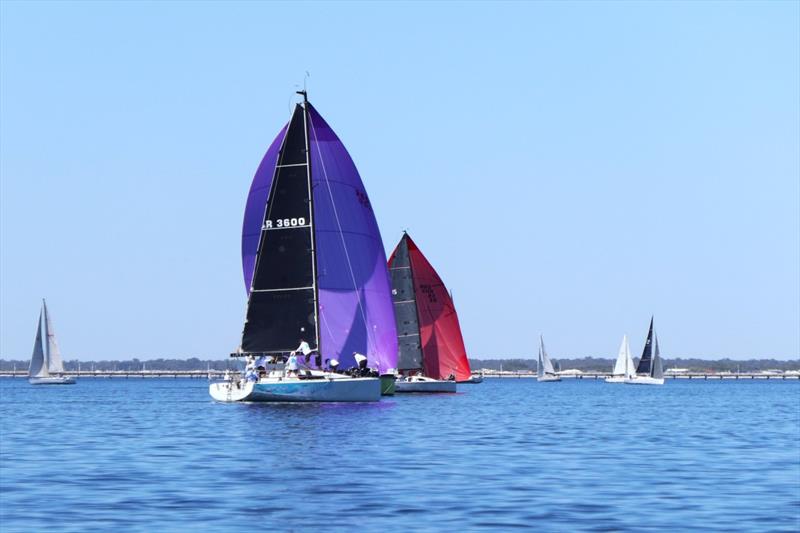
(327, 325)
(341, 235)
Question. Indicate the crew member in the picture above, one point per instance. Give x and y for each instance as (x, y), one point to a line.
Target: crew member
(304, 349)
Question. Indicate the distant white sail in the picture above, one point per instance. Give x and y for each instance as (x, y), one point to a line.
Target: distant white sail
(545, 365)
(624, 365)
(38, 368)
(54, 363)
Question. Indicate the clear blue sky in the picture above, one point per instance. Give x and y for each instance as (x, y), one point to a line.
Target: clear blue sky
(569, 168)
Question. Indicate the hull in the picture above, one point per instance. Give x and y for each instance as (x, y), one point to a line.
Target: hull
(473, 379)
(332, 388)
(387, 385)
(426, 385)
(54, 380)
(616, 379)
(548, 378)
(644, 381)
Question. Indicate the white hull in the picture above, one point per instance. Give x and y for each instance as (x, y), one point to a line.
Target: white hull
(644, 381)
(473, 379)
(326, 388)
(616, 379)
(53, 380)
(423, 384)
(548, 378)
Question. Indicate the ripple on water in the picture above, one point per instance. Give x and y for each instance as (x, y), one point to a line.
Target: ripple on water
(151, 455)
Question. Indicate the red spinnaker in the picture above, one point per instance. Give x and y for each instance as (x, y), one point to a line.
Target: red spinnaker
(443, 350)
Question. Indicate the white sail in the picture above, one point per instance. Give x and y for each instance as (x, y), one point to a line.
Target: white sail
(54, 363)
(545, 365)
(624, 365)
(38, 368)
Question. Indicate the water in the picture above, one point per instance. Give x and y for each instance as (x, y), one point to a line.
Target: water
(158, 455)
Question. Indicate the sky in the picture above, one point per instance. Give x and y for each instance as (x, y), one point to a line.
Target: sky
(569, 169)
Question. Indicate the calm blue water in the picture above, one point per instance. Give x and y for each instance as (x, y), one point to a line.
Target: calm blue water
(158, 455)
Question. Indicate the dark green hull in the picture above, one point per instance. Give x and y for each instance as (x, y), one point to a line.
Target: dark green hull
(387, 385)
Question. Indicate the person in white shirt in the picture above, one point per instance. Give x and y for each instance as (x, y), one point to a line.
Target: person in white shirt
(361, 360)
(306, 350)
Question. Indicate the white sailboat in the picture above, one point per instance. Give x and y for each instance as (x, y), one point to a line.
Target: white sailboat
(650, 370)
(623, 368)
(47, 367)
(545, 370)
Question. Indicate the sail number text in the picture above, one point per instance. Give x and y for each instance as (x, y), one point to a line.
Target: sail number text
(285, 223)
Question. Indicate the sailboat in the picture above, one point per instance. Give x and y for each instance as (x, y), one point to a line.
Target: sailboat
(623, 368)
(315, 273)
(545, 370)
(650, 370)
(432, 356)
(46, 365)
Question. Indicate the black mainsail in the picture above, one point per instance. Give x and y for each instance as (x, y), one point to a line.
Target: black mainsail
(409, 355)
(282, 304)
(646, 362)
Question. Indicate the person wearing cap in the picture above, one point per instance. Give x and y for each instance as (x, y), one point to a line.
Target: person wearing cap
(361, 362)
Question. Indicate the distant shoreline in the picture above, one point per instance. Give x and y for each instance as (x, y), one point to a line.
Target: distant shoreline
(513, 365)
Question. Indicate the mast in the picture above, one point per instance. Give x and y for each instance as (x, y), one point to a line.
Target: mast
(412, 277)
(314, 267)
(46, 337)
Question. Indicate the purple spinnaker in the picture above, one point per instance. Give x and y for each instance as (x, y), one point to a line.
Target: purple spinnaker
(355, 303)
(256, 203)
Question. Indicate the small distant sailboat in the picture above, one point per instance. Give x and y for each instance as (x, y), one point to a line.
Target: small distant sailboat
(545, 370)
(623, 368)
(47, 367)
(432, 356)
(650, 370)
